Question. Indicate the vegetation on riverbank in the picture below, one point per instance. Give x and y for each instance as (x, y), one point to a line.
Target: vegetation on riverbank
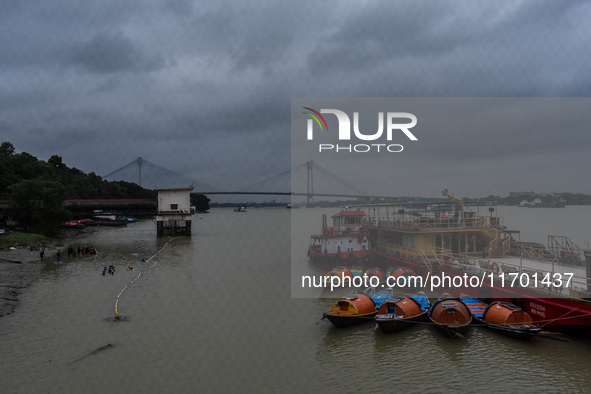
(21, 239)
(35, 190)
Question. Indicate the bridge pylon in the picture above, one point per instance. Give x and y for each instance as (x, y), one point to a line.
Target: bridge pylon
(310, 189)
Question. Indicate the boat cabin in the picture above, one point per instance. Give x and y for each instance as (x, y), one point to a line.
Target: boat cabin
(436, 231)
(346, 222)
(347, 235)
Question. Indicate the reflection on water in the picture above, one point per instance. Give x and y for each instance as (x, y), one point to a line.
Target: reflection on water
(214, 313)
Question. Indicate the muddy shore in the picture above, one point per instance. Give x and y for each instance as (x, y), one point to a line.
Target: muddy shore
(21, 266)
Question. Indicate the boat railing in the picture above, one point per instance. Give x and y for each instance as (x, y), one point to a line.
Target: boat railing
(565, 251)
(398, 251)
(427, 262)
(506, 245)
(408, 222)
(533, 251)
(344, 230)
(440, 255)
(556, 281)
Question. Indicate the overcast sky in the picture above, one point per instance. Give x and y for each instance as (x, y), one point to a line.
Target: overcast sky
(205, 88)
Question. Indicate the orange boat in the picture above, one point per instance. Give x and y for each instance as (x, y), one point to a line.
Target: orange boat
(352, 309)
(510, 320)
(399, 313)
(400, 271)
(450, 316)
(341, 273)
(375, 272)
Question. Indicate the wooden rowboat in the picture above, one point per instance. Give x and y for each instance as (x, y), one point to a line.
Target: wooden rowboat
(351, 310)
(503, 317)
(450, 316)
(399, 313)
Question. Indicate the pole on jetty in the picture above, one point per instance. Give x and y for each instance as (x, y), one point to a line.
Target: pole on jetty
(588, 265)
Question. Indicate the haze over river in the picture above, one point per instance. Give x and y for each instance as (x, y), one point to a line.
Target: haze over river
(214, 313)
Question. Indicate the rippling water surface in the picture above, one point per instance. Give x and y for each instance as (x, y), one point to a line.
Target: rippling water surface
(214, 313)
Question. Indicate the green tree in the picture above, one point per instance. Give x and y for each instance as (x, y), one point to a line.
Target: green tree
(7, 174)
(200, 201)
(6, 149)
(37, 205)
(56, 162)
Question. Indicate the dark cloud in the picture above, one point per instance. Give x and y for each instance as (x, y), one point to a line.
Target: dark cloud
(204, 88)
(105, 54)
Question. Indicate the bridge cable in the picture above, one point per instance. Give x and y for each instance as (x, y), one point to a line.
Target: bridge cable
(267, 180)
(134, 162)
(339, 179)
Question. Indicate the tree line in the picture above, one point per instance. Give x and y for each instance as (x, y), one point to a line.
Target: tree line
(35, 189)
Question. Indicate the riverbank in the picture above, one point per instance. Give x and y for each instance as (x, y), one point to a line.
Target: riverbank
(18, 269)
(20, 266)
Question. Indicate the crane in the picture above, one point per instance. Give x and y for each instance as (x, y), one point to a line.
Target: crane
(458, 200)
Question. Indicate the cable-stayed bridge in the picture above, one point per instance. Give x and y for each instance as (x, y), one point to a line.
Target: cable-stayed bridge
(152, 176)
(319, 182)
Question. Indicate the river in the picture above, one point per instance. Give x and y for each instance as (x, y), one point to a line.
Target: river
(214, 313)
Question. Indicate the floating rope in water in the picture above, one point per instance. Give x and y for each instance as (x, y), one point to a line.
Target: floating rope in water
(117, 316)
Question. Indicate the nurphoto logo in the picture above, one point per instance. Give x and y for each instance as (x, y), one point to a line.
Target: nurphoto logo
(393, 129)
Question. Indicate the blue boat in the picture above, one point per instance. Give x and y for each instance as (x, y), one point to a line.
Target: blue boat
(378, 296)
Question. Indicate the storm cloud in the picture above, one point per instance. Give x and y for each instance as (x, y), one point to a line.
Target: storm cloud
(204, 89)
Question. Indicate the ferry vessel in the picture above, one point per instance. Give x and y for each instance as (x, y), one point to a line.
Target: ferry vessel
(537, 203)
(346, 242)
(455, 238)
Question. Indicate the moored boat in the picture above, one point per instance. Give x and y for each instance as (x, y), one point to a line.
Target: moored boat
(351, 310)
(458, 239)
(337, 276)
(107, 222)
(450, 316)
(356, 271)
(346, 242)
(503, 317)
(399, 272)
(375, 271)
(399, 313)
